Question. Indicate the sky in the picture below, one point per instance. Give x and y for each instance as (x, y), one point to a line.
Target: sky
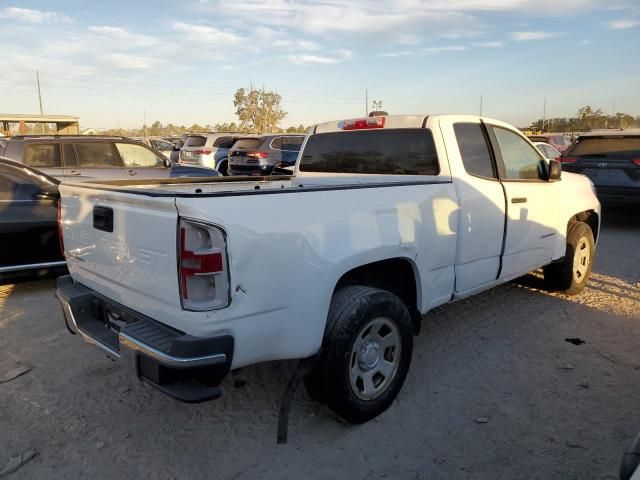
(115, 63)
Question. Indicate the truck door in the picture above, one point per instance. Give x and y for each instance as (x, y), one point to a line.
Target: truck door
(481, 201)
(531, 203)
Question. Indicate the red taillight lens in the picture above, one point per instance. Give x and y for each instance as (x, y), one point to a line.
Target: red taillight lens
(258, 154)
(566, 159)
(60, 239)
(202, 152)
(363, 123)
(636, 161)
(202, 266)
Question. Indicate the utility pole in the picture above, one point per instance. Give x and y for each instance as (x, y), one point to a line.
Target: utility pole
(366, 102)
(544, 112)
(39, 93)
(480, 105)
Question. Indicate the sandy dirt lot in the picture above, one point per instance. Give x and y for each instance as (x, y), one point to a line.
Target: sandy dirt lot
(495, 392)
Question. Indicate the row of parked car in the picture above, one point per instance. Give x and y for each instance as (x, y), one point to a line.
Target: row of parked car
(31, 167)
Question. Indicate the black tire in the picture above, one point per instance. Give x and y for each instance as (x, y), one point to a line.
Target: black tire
(355, 310)
(223, 168)
(565, 276)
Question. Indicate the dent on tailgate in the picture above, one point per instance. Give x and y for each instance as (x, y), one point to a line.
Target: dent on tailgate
(133, 264)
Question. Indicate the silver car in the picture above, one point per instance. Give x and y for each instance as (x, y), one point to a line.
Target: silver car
(208, 150)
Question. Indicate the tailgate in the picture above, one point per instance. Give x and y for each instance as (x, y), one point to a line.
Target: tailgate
(123, 246)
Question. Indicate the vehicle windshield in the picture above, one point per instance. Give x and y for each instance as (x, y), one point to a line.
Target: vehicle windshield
(626, 147)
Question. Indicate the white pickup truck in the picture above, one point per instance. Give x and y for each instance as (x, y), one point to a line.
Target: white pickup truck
(384, 219)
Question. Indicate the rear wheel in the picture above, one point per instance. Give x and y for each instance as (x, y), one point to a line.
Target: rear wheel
(572, 273)
(366, 353)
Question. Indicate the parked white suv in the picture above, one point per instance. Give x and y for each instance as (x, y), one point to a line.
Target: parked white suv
(386, 219)
(208, 150)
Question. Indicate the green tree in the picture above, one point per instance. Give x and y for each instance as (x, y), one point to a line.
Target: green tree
(258, 110)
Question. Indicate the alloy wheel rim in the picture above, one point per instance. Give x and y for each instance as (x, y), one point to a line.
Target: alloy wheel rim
(374, 359)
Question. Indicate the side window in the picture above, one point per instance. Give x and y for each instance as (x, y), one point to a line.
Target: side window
(521, 160)
(94, 154)
(549, 152)
(292, 144)
(69, 155)
(16, 187)
(224, 142)
(8, 187)
(138, 156)
(276, 143)
(42, 155)
(474, 150)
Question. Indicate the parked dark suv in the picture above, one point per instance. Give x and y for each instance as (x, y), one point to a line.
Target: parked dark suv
(257, 155)
(612, 161)
(82, 158)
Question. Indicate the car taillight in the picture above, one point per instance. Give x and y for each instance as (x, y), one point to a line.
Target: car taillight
(202, 152)
(258, 154)
(566, 159)
(636, 161)
(60, 239)
(202, 266)
(363, 123)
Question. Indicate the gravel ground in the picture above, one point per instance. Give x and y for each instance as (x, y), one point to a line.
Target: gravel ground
(495, 391)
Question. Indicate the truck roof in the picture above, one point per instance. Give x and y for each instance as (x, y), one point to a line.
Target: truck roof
(397, 121)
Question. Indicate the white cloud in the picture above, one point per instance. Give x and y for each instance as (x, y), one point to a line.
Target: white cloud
(122, 37)
(203, 34)
(527, 36)
(128, 62)
(32, 16)
(622, 24)
(424, 51)
(404, 53)
(452, 48)
(306, 59)
(492, 44)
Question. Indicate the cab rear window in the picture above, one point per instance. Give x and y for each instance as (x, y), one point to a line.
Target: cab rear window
(387, 152)
(607, 147)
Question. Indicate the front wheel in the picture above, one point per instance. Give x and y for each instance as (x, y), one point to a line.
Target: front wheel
(571, 275)
(366, 353)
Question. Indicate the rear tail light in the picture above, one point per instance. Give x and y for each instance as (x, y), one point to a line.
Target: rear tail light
(566, 159)
(202, 152)
(363, 123)
(60, 239)
(202, 266)
(636, 161)
(258, 154)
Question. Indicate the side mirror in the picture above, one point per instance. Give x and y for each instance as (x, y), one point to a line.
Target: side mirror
(555, 170)
(176, 148)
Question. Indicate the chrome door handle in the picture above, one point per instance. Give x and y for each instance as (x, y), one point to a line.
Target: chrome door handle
(519, 200)
(74, 172)
(132, 172)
